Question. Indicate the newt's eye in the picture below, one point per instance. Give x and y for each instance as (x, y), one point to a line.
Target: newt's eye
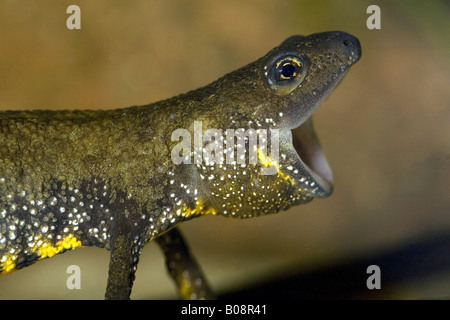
(285, 73)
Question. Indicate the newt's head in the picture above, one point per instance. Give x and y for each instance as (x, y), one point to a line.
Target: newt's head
(255, 109)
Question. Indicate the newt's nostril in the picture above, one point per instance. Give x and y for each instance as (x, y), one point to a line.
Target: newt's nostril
(348, 43)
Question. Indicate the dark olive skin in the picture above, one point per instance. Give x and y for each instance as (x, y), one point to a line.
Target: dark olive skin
(106, 178)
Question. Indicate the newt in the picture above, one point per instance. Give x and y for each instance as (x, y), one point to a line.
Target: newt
(107, 178)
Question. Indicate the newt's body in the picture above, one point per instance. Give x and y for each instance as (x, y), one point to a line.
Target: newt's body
(108, 178)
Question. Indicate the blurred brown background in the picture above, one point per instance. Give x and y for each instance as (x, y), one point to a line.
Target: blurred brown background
(385, 130)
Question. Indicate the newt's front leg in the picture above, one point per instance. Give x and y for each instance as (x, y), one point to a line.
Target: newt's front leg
(122, 267)
(120, 276)
(127, 241)
(183, 268)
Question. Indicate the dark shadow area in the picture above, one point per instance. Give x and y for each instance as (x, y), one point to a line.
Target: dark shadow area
(415, 262)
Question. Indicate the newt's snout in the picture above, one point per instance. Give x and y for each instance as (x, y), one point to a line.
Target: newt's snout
(353, 46)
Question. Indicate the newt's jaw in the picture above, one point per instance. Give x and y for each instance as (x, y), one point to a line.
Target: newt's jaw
(278, 94)
(312, 158)
(323, 69)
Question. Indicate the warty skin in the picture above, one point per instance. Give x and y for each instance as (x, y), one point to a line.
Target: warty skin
(106, 178)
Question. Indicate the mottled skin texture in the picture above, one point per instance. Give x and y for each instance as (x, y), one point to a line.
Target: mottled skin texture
(107, 179)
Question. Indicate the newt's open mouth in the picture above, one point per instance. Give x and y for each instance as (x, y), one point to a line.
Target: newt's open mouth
(308, 148)
(342, 50)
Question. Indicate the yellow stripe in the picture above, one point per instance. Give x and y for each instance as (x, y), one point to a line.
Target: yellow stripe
(198, 210)
(8, 263)
(267, 162)
(43, 250)
(46, 250)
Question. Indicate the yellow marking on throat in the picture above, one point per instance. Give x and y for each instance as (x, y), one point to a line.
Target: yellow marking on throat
(199, 209)
(265, 161)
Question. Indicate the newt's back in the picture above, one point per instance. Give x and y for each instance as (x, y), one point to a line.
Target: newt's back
(64, 175)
